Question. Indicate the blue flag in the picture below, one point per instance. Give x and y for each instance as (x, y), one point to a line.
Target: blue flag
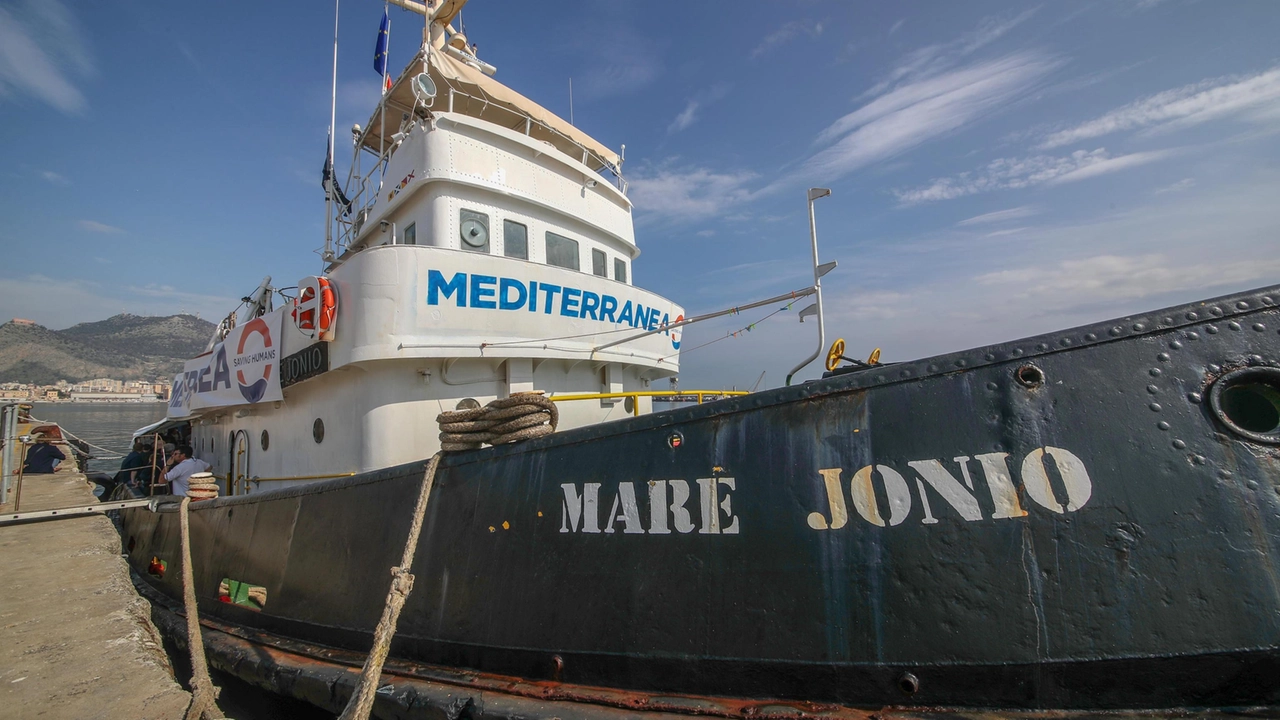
(380, 50)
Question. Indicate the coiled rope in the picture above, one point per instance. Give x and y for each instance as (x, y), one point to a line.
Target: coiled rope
(520, 417)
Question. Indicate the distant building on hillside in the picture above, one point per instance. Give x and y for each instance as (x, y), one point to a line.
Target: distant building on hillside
(90, 396)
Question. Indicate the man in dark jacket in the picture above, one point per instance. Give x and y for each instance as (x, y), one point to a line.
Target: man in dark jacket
(42, 457)
(136, 466)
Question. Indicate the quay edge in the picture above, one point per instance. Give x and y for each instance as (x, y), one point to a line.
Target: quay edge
(75, 638)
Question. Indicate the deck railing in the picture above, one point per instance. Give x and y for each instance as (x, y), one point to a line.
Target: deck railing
(364, 195)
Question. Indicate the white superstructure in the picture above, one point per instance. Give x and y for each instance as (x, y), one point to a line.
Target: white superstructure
(489, 251)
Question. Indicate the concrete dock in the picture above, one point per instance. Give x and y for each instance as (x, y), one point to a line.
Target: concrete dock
(76, 641)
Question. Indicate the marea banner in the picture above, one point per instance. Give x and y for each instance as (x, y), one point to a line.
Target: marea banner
(244, 369)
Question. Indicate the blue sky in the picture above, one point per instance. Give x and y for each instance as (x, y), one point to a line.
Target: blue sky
(998, 169)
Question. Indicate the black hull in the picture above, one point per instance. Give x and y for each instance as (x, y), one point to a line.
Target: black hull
(1087, 534)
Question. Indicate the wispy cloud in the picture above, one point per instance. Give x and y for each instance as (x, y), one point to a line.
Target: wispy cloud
(691, 109)
(624, 64)
(1183, 184)
(1000, 216)
(95, 226)
(917, 112)
(685, 118)
(897, 26)
(785, 33)
(618, 78)
(1104, 165)
(1007, 231)
(1257, 95)
(1118, 277)
(735, 284)
(55, 178)
(686, 193)
(1018, 173)
(40, 46)
(933, 59)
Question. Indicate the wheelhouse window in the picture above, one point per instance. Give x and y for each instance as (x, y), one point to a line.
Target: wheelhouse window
(515, 240)
(599, 263)
(473, 227)
(410, 235)
(562, 251)
(620, 270)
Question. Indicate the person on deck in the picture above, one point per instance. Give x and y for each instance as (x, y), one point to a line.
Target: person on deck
(43, 457)
(133, 464)
(180, 469)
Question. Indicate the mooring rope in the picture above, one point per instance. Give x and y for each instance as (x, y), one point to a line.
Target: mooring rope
(361, 702)
(111, 454)
(204, 695)
(520, 417)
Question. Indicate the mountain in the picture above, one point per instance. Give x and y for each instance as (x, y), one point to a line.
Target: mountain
(124, 347)
(176, 336)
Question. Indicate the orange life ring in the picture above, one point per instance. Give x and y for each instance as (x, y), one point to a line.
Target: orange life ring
(328, 308)
(315, 311)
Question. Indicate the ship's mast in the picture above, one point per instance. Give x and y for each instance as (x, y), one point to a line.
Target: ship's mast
(332, 179)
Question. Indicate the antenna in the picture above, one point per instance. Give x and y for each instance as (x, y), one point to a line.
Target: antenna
(570, 101)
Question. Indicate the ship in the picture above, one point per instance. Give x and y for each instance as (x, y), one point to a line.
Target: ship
(1085, 522)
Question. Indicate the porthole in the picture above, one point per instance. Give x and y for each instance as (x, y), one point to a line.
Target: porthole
(317, 431)
(1247, 401)
(1029, 376)
(468, 404)
(266, 440)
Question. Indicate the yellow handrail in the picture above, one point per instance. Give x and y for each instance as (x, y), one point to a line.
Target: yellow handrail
(233, 486)
(637, 394)
(635, 410)
(300, 477)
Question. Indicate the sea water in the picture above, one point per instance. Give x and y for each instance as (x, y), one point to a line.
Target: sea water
(109, 425)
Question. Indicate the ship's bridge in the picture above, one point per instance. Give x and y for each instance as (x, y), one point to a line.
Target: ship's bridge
(462, 161)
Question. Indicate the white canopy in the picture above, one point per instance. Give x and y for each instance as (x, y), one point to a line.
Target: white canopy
(160, 426)
(480, 96)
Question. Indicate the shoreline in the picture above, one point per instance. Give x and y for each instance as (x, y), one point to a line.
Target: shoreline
(92, 402)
